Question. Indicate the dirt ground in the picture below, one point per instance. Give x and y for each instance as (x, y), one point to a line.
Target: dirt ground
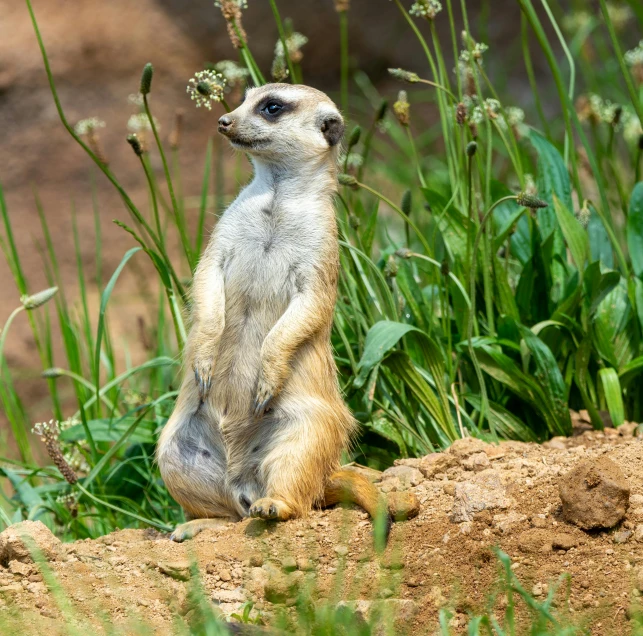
(509, 491)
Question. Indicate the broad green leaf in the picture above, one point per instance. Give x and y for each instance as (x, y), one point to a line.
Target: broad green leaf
(508, 426)
(380, 339)
(635, 229)
(503, 369)
(24, 490)
(613, 395)
(638, 299)
(600, 245)
(503, 228)
(384, 427)
(597, 285)
(505, 298)
(574, 233)
(402, 366)
(581, 377)
(549, 377)
(611, 317)
(553, 177)
(383, 336)
(413, 295)
(368, 236)
(552, 181)
(631, 371)
(105, 430)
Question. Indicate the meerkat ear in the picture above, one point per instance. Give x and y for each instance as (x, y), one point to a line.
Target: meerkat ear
(332, 128)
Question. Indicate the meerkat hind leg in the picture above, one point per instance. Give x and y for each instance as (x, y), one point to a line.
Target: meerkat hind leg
(190, 529)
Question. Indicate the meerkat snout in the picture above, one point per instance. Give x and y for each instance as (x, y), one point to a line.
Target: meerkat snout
(225, 124)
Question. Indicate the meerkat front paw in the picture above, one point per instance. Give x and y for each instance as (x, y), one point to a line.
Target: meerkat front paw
(203, 377)
(266, 393)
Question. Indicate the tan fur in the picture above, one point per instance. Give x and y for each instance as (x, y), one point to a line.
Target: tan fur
(260, 424)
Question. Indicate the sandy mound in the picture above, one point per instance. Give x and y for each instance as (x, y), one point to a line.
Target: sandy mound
(471, 498)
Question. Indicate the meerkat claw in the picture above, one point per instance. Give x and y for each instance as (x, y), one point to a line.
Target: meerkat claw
(263, 512)
(203, 379)
(262, 406)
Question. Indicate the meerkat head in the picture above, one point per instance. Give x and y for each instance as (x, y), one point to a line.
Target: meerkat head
(282, 123)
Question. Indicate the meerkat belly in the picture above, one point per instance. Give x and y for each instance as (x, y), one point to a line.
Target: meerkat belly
(259, 285)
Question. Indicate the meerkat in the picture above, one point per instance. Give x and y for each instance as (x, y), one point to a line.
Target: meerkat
(260, 423)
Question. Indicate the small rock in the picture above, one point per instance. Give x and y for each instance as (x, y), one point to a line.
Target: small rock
(401, 611)
(556, 443)
(225, 575)
(36, 588)
(305, 565)
(638, 580)
(622, 536)
(486, 492)
(538, 522)
(229, 596)
(638, 533)
(539, 589)
(449, 488)
(626, 429)
(211, 568)
(179, 570)
(563, 541)
(595, 494)
(341, 550)
(466, 527)
(288, 564)
(403, 505)
(407, 476)
(466, 446)
(431, 465)
(21, 569)
(387, 592)
(392, 484)
(282, 588)
(504, 522)
(256, 584)
(256, 560)
(12, 546)
(476, 462)
(534, 541)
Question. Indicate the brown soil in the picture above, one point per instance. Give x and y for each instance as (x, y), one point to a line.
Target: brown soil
(431, 561)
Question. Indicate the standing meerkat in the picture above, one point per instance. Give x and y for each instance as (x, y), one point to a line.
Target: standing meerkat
(260, 424)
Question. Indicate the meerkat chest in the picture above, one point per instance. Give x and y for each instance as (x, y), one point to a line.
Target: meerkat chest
(269, 253)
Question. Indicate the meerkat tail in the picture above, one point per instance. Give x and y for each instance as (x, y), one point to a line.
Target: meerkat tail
(348, 486)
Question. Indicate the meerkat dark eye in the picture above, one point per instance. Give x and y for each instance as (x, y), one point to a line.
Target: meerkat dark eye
(272, 107)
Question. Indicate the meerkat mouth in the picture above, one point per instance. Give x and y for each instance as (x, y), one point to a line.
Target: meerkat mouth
(237, 142)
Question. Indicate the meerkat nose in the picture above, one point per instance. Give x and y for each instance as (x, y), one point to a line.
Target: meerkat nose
(225, 123)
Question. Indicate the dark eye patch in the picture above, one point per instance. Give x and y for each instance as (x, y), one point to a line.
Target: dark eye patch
(271, 107)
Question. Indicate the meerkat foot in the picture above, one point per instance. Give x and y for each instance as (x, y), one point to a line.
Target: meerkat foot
(268, 508)
(203, 378)
(190, 529)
